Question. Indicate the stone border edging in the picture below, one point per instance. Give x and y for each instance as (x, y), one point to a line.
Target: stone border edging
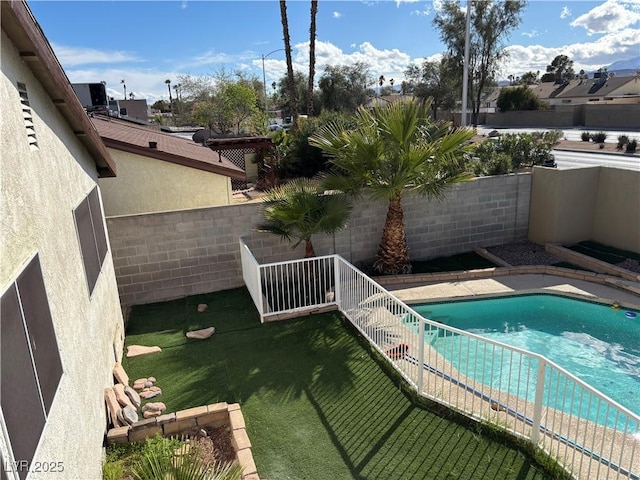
(600, 278)
(172, 424)
(591, 263)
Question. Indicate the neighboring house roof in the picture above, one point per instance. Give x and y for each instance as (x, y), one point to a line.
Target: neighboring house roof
(594, 87)
(236, 143)
(128, 137)
(24, 31)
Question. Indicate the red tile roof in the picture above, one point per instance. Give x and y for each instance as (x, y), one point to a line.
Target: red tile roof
(128, 137)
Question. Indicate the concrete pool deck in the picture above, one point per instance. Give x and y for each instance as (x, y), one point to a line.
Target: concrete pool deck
(420, 291)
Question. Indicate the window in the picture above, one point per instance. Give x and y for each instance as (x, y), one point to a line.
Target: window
(30, 365)
(91, 234)
(26, 115)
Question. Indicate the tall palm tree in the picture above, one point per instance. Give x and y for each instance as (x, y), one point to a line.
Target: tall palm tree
(168, 82)
(312, 56)
(299, 209)
(291, 86)
(395, 149)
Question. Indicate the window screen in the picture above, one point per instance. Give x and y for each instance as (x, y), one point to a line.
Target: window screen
(30, 365)
(91, 235)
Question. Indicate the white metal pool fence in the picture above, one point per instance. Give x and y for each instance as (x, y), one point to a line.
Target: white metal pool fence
(593, 436)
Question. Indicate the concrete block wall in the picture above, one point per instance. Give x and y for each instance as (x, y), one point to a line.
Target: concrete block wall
(163, 256)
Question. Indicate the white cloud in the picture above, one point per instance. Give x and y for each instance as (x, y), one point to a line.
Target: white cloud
(565, 12)
(73, 56)
(211, 57)
(588, 56)
(531, 34)
(609, 16)
(399, 2)
(183, 5)
(337, 15)
(426, 10)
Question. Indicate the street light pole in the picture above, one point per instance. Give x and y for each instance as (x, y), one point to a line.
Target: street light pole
(264, 83)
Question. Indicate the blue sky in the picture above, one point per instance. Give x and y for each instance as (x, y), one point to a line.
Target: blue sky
(146, 42)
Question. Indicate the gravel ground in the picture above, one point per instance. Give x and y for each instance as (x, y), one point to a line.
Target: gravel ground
(524, 253)
(528, 253)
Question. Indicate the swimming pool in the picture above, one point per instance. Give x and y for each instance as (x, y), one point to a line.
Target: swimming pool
(598, 344)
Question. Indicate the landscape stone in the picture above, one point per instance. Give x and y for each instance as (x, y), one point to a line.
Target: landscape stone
(139, 384)
(147, 394)
(154, 407)
(153, 388)
(113, 406)
(133, 396)
(201, 334)
(137, 350)
(151, 379)
(151, 413)
(148, 384)
(120, 375)
(122, 397)
(202, 307)
(128, 415)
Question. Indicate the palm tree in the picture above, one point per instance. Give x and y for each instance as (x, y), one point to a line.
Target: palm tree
(312, 56)
(293, 100)
(299, 209)
(168, 82)
(395, 149)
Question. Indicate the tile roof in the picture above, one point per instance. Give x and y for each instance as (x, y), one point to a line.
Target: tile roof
(129, 137)
(593, 87)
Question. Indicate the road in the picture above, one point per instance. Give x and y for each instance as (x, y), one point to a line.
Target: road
(571, 159)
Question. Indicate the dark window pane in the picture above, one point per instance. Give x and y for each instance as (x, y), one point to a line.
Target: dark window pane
(98, 224)
(44, 346)
(87, 243)
(19, 397)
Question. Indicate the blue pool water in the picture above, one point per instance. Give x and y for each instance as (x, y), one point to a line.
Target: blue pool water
(596, 343)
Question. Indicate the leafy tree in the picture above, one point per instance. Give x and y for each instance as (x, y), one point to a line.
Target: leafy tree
(301, 86)
(312, 57)
(343, 88)
(491, 24)
(523, 150)
(393, 150)
(161, 106)
(530, 78)
(239, 102)
(437, 80)
(559, 70)
(518, 98)
(299, 209)
(293, 101)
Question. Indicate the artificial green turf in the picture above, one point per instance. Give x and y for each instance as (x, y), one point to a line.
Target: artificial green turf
(316, 405)
(461, 261)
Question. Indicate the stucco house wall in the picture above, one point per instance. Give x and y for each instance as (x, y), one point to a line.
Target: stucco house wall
(40, 188)
(148, 185)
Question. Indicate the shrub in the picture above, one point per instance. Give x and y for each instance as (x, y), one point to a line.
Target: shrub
(499, 164)
(585, 136)
(519, 98)
(622, 141)
(631, 146)
(599, 137)
(522, 150)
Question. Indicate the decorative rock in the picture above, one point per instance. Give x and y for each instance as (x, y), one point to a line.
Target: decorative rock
(202, 307)
(122, 397)
(151, 379)
(154, 407)
(147, 394)
(128, 415)
(201, 334)
(153, 388)
(151, 414)
(148, 384)
(112, 406)
(133, 396)
(139, 384)
(137, 350)
(120, 375)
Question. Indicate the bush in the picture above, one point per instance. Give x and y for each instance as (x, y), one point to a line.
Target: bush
(511, 152)
(631, 146)
(519, 98)
(622, 141)
(599, 137)
(499, 164)
(585, 136)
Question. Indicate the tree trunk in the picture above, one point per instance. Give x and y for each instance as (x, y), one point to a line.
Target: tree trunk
(293, 101)
(309, 252)
(393, 253)
(312, 56)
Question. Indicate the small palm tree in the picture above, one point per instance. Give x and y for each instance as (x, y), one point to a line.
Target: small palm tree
(393, 150)
(299, 209)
